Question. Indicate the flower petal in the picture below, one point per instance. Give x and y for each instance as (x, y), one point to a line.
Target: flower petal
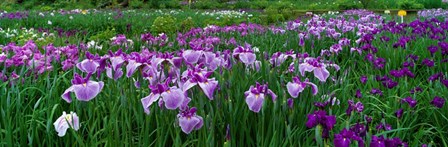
(255, 101)
(209, 87)
(147, 101)
(321, 73)
(294, 89)
(87, 91)
(173, 98)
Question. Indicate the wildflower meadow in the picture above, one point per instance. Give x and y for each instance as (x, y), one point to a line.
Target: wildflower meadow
(88, 77)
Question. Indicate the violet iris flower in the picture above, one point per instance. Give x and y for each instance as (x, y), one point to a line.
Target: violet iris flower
(173, 97)
(189, 121)
(438, 102)
(255, 96)
(410, 101)
(90, 64)
(84, 89)
(66, 121)
(320, 117)
(311, 64)
(199, 76)
(245, 54)
(297, 86)
(343, 139)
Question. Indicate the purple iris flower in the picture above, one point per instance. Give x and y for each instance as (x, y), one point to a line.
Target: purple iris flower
(438, 102)
(432, 49)
(297, 86)
(189, 121)
(410, 101)
(378, 141)
(399, 113)
(84, 89)
(359, 130)
(376, 91)
(290, 103)
(173, 97)
(90, 64)
(311, 64)
(278, 58)
(435, 76)
(415, 90)
(395, 142)
(428, 62)
(198, 76)
(359, 107)
(363, 79)
(166, 58)
(255, 96)
(320, 117)
(245, 54)
(444, 82)
(358, 94)
(343, 139)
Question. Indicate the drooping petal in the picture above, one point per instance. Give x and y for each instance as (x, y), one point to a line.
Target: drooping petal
(247, 58)
(87, 91)
(209, 87)
(321, 73)
(130, 68)
(187, 85)
(116, 62)
(147, 101)
(66, 121)
(88, 66)
(305, 67)
(313, 87)
(255, 101)
(66, 95)
(191, 56)
(294, 89)
(173, 98)
(187, 124)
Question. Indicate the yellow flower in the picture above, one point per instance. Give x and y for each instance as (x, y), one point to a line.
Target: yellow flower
(84, 11)
(402, 13)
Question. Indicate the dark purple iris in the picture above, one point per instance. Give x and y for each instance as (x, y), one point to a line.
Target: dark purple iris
(399, 113)
(376, 91)
(320, 117)
(363, 79)
(410, 101)
(358, 94)
(438, 102)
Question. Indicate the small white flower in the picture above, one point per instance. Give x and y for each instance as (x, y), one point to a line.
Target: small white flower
(71, 17)
(49, 23)
(52, 14)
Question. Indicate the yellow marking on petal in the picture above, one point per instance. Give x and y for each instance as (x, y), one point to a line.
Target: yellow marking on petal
(168, 91)
(256, 96)
(85, 84)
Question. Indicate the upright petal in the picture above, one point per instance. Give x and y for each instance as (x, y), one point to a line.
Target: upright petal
(187, 85)
(88, 66)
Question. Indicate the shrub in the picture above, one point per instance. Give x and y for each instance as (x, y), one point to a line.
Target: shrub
(136, 4)
(164, 24)
(187, 24)
(410, 4)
